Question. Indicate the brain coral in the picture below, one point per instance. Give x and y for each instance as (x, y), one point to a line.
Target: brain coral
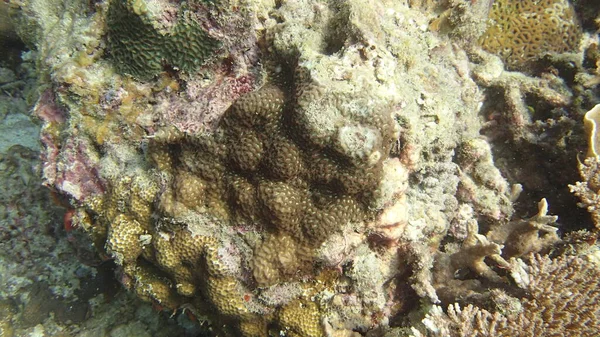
(523, 31)
(139, 48)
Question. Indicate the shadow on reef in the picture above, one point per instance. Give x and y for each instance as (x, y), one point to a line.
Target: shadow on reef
(537, 136)
(544, 162)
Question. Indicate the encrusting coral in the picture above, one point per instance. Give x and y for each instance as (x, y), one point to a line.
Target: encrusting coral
(524, 31)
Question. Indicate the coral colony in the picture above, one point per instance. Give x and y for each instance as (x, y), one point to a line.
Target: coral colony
(311, 168)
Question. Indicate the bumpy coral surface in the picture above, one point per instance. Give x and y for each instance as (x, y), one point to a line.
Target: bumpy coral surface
(523, 31)
(139, 48)
(302, 168)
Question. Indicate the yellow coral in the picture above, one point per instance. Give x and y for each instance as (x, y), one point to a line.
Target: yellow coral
(123, 240)
(179, 253)
(254, 328)
(190, 189)
(243, 198)
(282, 204)
(254, 171)
(285, 159)
(249, 151)
(522, 31)
(259, 109)
(160, 155)
(279, 257)
(149, 286)
(225, 294)
(143, 192)
(301, 318)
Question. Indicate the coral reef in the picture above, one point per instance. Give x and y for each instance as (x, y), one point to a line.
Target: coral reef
(484, 255)
(139, 48)
(531, 122)
(324, 168)
(525, 31)
(562, 302)
(52, 282)
(587, 190)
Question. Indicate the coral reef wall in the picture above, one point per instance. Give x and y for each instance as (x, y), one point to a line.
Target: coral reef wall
(321, 168)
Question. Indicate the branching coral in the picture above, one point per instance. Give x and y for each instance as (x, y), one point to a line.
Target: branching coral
(532, 122)
(515, 87)
(587, 190)
(525, 236)
(486, 254)
(481, 184)
(562, 301)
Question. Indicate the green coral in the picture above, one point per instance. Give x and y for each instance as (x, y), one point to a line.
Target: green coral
(523, 31)
(139, 47)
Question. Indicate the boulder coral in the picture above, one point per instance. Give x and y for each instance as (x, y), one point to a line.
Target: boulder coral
(294, 168)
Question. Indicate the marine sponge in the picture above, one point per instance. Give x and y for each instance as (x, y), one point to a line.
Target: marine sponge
(523, 31)
(139, 48)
